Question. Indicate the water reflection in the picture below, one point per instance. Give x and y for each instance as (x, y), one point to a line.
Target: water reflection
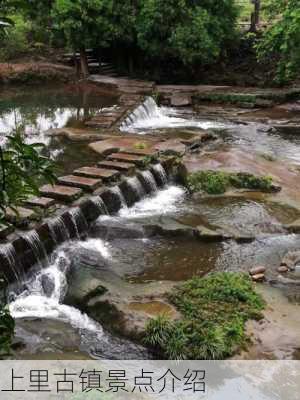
(40, 109)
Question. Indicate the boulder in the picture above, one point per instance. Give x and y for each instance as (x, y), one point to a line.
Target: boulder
(258, 277)
(291, 259)
(257, 270)
(282, 269)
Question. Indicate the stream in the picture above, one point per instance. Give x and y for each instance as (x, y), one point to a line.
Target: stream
(120, 254)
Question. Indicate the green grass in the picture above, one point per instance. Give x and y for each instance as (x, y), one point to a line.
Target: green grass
(214, 311)
(217, 182)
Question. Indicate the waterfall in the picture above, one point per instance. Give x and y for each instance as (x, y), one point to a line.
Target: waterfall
(59, 230)
(10, 255)
(160, 174)
(37, 247)
(79, 221)
(148, 181)
(118, 192)
(99, 203)
(43, 296)
(146, 111)
(136, 186)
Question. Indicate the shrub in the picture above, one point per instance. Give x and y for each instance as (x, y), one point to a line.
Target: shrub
(216, 182)
(14, 43)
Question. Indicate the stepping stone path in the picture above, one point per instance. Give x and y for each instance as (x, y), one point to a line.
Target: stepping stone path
(42, 202)
(141, 152)
(137, 160)
(89, 184)
(98, 173)
(118, 166)
(61, 193)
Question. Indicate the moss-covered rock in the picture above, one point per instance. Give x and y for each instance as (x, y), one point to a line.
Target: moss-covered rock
(217, 182)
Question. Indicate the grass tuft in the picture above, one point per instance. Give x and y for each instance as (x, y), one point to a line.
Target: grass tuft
(214, 312)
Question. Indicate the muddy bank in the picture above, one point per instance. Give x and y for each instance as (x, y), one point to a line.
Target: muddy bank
(34, 73)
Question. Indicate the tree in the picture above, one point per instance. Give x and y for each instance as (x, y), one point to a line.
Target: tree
(281, 41)
(92, 23)
(187, 30)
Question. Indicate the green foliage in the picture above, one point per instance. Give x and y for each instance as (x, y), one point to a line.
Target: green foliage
(214, 311)
(22, 170)
(185, 30)
(7, 326)
(96, 23)
(14, 43)
(216, 182)
(140, 146)
(281, 40)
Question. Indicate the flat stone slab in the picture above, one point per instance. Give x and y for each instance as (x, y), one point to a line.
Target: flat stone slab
(141, 152)
(134, 159)
(42, 202)
(118, 166)
(123, 144)
(98, 173)
(81, 182)
(21, 217)
(62, 193)
(171, 147)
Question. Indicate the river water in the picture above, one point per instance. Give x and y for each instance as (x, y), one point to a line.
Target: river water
(119, 252)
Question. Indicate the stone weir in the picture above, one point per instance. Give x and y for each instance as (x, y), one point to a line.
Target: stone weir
(89, 193)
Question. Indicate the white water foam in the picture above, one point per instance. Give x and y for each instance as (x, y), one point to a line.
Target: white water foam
(97, 245)
(164, 202)
(38, 301)
(149, 117)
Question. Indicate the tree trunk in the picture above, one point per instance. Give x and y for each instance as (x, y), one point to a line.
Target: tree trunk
(84, 63)
(255, 15)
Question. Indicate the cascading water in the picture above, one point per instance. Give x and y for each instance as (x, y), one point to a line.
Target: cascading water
(149, 181)
(160, 174)
(10, 255)
(118, 192)
(149, 116)
(99, 203)
(43, 296)
(79, 221)
(59, 230)
(37, 247)
(136, 186)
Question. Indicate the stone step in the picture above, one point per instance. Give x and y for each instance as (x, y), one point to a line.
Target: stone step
(131, 158)
(118, 166)
(21, 216)
(41, 202)
(141, 152)
(99, 173)
(65, 194)
(89, 184)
